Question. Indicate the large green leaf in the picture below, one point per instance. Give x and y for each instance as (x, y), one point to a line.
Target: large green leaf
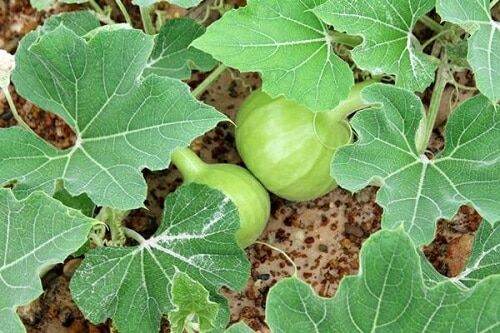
(288, 44)
(123, 123)
(484, 44)
(388, 295)
(389, 45)
(414, 190)
(173, 55)
(35, 234)
(132, 285)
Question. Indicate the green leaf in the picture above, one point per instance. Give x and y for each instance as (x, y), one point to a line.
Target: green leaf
(35, 234)
(172, 54)
(484, 43)
(288, 45)
(123, 123)
(388, 295)
(415, 191)
(193, 305)
(239, 327)
(132, 285)
(45, 4)
(81, 202)
(389, 45)
(180, 3)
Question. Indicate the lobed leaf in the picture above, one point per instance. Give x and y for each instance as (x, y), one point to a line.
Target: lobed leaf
(132, 285)
(387, 295)
(414, 190)
(389, 45)
(123, 122)
(239, 327)
(35, 234)
(484, 43)
(288, 45)
(173, 55)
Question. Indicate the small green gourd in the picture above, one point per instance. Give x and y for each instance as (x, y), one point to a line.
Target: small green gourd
(249, 196)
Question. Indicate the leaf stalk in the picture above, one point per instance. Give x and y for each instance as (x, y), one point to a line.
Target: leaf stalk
(441, 81)
(146, 20)
(431, 24)
(13, 109)
(200, 89)
(124, 12)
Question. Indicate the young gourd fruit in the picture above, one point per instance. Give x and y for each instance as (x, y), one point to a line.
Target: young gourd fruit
(288, 147)
(249, 196)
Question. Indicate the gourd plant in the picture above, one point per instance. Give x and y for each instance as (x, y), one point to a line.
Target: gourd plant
(119, 89)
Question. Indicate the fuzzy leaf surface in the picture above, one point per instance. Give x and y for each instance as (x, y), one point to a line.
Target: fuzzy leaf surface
(287, 43)
(35, 234)
(484, 43)
(123, 122)
(388, 295)
(132, 285)
(173, 56)
(414, 190)
(389, 45)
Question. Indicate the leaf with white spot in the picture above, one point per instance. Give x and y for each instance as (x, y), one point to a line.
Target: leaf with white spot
(484, 43)
(131, 285)
(123, 122)
(173, 56)
(388, 295)
(35, 234)
(414, 190)
(288, 45)
(389, 45)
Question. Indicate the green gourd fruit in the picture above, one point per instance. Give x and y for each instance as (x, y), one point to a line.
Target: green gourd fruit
(288, 147)
(249, 196)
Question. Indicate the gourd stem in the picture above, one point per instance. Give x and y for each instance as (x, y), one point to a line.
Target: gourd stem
(437, 93)
(95, 6)
(113, 219)
(124, 12)
(431, 24)
(188, 163)
(200, 89)
(345, 39)
(146, 20)
(14, 112)
(353, 103)
(287, 257)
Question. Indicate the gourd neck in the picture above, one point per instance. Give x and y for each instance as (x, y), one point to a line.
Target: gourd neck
(353, 103)
(188, 163)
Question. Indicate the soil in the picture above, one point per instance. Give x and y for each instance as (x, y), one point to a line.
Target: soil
(323, 237)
